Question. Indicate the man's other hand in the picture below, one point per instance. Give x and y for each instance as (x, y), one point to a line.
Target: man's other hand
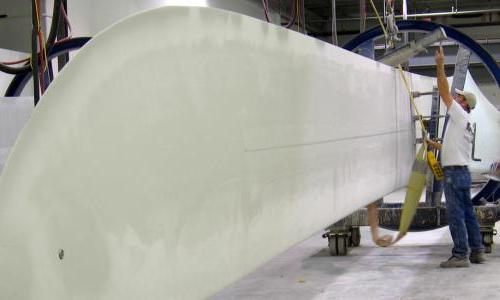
(439, 56)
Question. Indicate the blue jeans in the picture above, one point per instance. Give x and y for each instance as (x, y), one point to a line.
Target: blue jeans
(462, 221)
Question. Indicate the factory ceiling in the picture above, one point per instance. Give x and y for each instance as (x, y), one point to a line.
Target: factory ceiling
(457, 13)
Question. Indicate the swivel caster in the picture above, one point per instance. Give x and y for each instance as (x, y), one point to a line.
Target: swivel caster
(488, 239)
(338, 244)
(355, 238)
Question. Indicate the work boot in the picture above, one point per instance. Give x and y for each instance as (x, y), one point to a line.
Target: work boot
(477, 258)
(455, 262)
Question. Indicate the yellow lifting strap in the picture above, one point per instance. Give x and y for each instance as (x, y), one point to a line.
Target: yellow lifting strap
(417, 181)
(416, 185)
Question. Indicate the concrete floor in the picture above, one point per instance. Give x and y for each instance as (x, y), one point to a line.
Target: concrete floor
(409, 270)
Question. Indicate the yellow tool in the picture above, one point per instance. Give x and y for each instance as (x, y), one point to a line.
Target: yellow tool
(435, 166)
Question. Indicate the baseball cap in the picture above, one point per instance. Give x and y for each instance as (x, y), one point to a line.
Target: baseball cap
(470, 98)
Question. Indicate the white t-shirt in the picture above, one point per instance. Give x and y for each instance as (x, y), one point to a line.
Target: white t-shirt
(456, 150)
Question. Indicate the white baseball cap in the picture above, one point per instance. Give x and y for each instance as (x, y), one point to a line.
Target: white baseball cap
(470, 98)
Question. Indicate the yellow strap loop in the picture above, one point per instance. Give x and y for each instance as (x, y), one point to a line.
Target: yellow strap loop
(417, 180)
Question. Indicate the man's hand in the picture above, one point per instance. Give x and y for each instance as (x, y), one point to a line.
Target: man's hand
(439, 56)
(433, 144)
(444, 90)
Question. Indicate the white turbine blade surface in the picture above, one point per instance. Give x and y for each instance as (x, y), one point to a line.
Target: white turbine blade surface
(184, 147)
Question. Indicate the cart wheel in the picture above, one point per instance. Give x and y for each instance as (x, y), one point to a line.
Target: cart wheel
(338, 245)
(487, 238)
(487, 241)
(355, 239)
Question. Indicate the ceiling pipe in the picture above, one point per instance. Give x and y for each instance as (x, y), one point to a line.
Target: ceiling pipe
(334, 24)
(405, 10)
(451, 43)
(405, 17)
(403, 54)
(451, 13)
(362, 13)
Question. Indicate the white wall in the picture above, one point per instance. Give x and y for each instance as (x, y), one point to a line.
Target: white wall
(487, 119)
(491, 92)
(14, 113)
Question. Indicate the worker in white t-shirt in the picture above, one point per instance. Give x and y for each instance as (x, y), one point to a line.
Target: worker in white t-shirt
(455, 156)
